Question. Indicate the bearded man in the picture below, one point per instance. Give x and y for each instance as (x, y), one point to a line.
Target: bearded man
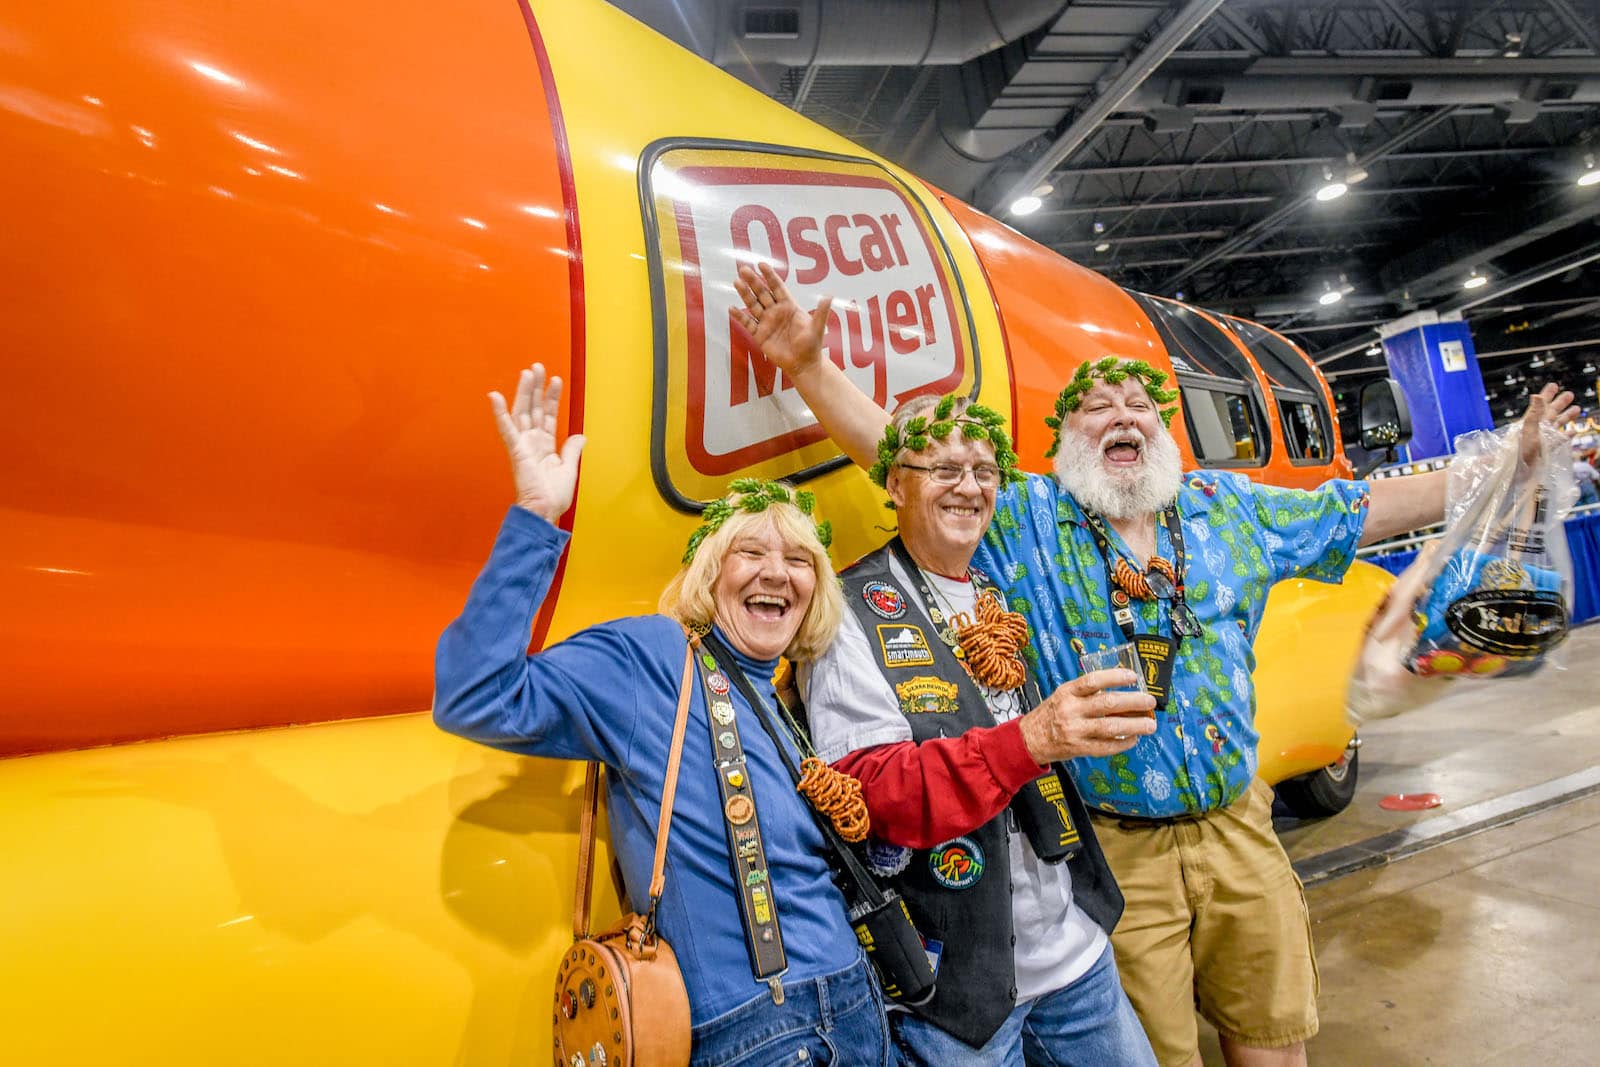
(1121, 546)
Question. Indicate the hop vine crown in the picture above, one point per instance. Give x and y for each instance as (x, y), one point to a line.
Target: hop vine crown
(753, 495)
(1113, 371)
(978, 423)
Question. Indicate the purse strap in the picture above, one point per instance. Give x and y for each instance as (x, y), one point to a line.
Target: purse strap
(591, 804)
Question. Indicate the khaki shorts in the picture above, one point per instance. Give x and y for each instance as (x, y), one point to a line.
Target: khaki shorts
(1215, 920)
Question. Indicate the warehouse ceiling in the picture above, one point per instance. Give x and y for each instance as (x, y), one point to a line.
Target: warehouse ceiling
(1179, 148)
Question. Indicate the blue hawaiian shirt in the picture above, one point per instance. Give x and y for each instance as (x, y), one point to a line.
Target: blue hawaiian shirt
(1240, 538)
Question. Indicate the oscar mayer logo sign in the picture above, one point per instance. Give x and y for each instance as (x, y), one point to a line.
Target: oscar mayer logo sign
(847, 228)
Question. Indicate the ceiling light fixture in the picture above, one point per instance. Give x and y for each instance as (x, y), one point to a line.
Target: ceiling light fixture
(1588, 368)
(1591, 174)
(1354, 173)
(1333, 292)
(1331, 190)
(1475, 281)
(1374, 349)
(1027, 205)
(1103, 246)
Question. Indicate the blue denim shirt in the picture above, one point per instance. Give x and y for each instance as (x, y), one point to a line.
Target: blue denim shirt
(610, 693)
(1240, 538)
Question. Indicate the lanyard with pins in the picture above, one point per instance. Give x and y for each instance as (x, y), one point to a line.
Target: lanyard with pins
(747, 851)
(1184, 622)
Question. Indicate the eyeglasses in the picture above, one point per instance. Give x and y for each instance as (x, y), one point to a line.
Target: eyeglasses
(985, 475)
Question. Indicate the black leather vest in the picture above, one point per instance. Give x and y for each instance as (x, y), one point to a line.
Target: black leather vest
(959, 892)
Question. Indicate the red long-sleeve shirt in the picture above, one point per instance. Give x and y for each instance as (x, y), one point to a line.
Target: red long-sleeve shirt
(920, 795)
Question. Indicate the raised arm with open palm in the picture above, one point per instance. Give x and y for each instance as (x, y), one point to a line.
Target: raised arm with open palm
(545, 478)
(791, 339)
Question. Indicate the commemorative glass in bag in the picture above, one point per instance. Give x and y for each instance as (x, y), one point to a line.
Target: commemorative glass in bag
(1498, 598)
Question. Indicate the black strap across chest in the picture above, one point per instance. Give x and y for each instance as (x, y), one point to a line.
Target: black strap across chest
(879, 917)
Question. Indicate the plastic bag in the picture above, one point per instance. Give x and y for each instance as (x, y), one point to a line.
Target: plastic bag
(1382, 684)
(1498, 599)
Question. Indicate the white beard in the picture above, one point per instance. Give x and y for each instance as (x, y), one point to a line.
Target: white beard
(1145, 490)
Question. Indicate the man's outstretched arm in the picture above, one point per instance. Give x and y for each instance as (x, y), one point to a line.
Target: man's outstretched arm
(791, 339)
(1400, 505)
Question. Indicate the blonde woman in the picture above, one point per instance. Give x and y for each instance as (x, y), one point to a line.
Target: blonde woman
(757, 581)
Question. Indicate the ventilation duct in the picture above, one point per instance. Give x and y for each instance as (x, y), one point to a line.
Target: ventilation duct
(1017, 68)
(993, 105)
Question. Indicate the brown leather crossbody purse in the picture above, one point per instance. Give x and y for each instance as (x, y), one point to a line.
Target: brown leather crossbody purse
(620, 998)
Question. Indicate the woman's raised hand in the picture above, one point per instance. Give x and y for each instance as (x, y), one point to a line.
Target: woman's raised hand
(545, 478)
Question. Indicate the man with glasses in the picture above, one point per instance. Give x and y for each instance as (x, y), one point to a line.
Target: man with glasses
(924, 697)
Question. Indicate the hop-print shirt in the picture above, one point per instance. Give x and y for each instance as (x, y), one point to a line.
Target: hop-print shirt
(1239, 539)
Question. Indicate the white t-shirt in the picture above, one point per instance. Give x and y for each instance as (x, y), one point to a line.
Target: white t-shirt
(851, 706)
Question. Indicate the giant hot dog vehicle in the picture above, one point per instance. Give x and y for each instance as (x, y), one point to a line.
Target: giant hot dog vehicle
(261, 264)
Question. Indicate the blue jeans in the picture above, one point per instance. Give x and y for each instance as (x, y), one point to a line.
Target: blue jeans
(835, 1019)
(1090, 1023)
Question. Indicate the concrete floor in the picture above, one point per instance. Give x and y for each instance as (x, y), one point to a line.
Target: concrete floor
(1485, 950)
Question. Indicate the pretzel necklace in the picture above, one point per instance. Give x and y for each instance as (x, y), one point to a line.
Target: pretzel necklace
(836, 795)
(1135, 583)
(989, 645)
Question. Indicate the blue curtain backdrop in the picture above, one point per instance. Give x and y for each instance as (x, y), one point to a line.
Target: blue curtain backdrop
(1583, 536)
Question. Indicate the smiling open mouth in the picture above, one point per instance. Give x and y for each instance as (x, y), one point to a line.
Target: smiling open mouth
(1123, 451)
(767, 607)
(959, 511)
